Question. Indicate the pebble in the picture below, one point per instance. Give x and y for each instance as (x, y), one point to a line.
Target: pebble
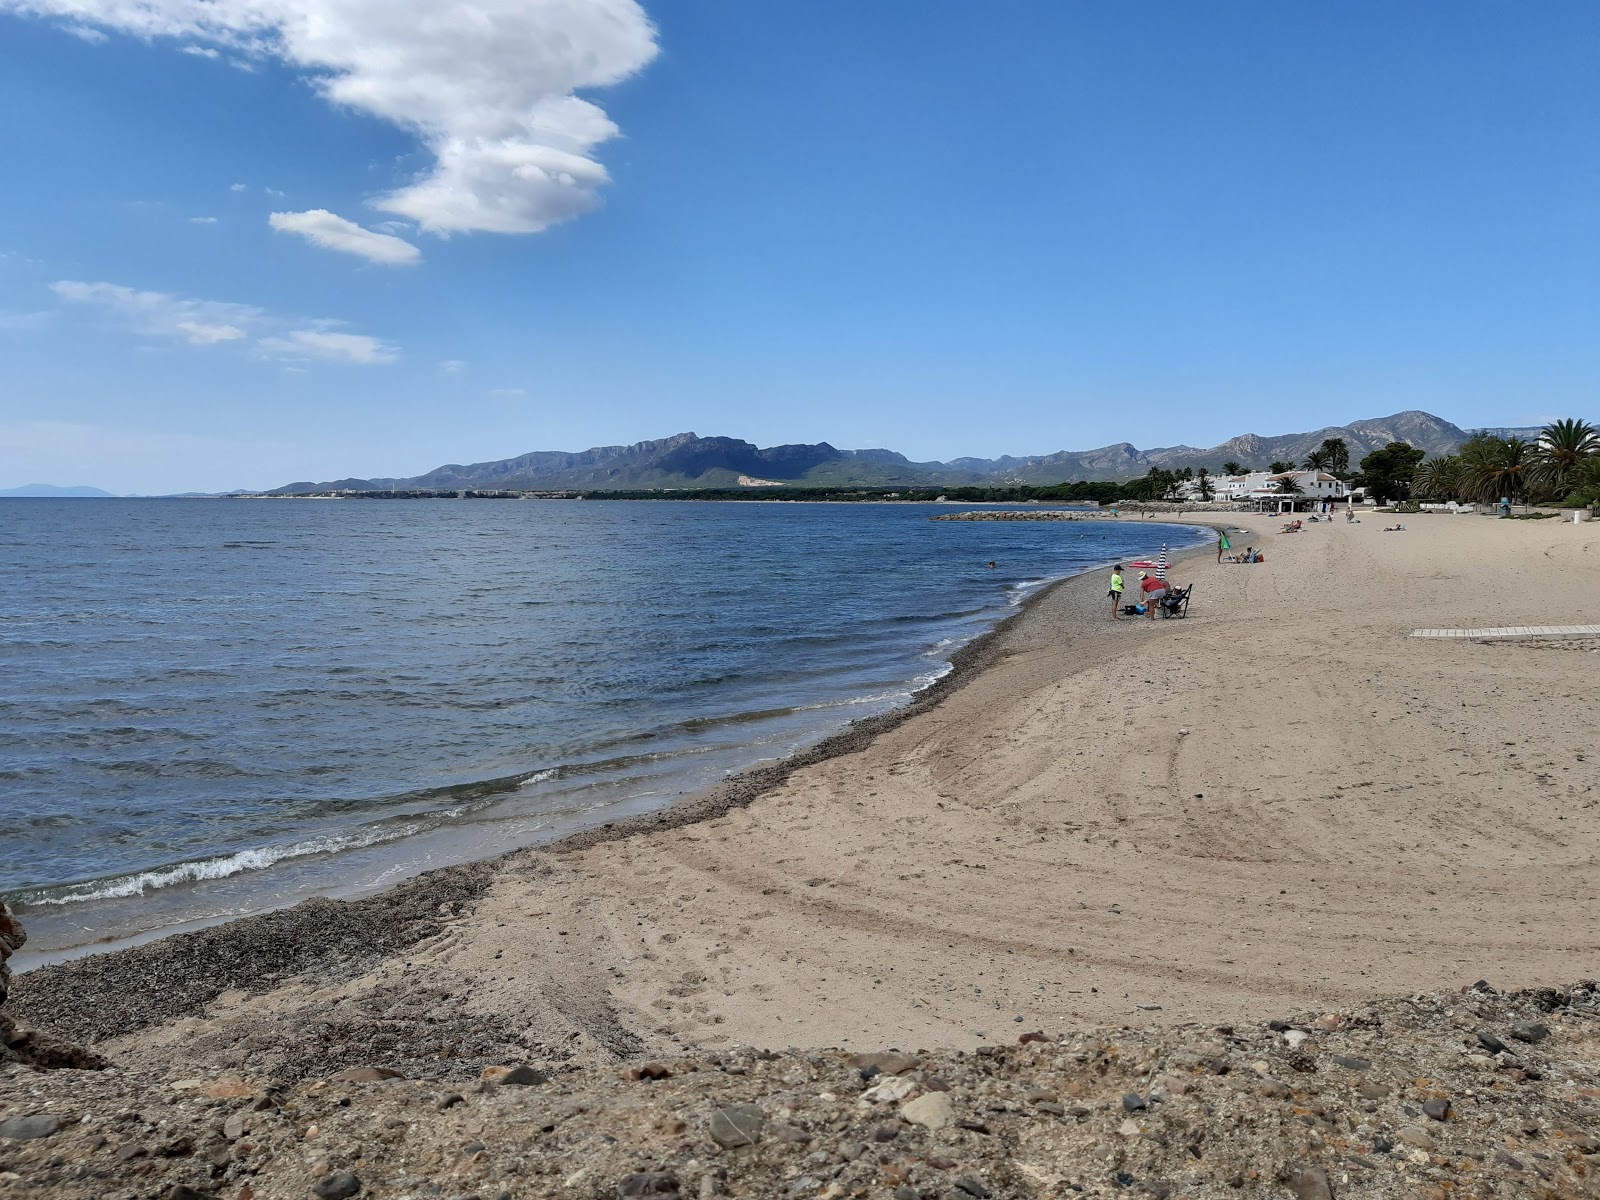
(336, 1186)
(894, 1088)
(737, 1125)
(27, 1129)
(1352, 1064)
(1533, 1032)
(1133, 1102)
(932, 1110)
(1311, 1183)
(1373, 1091)
(182, 1191)
(524, 1077)
(972, 1187)
(1490, 1043)
(648, 1183)
(1415, 1137)
(885, 1133)
(1295, 1037)
(1437, 1110)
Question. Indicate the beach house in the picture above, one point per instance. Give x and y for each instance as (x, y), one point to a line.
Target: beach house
(1267, 490)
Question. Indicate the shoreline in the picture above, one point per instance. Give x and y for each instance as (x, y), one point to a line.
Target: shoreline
(400, 905)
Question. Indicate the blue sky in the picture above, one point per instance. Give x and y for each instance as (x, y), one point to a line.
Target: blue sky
(946, 228)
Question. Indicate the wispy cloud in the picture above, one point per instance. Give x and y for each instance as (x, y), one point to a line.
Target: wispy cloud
(453, 366)
(323, 343)
(202, 220)
(24, 322)
(332, 232)
(214, 322)
(491, 87)
(238, 187)
(202, 51)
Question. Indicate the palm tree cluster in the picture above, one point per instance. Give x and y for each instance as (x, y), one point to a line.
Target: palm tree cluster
(1333, 456)
(1562, 465)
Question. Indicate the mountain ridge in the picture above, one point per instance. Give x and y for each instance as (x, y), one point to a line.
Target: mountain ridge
(686, 460)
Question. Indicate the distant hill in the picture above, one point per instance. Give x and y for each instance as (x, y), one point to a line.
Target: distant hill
(50, 489)
(688, 460)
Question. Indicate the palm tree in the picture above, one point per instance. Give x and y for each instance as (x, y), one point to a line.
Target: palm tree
(1562, 446)
(1232, 468)
(1278, 466)
(1586, 479)
(1203, 479)
(1438, 479)
(1317, 460)
(1289, 486)
(1338, 456)
(1493, 467)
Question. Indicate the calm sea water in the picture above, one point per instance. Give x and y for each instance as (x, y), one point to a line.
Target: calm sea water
(209, 707)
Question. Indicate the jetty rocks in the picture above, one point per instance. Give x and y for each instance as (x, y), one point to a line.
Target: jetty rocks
(1460, 1094)
(1013, 514)
(30, 1048)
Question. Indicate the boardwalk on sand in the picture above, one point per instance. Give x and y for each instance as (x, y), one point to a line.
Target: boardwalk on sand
(1513, 631)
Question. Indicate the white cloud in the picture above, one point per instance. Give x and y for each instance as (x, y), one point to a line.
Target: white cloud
(198, 322)
(489, 86)
(202, 220)
(323, 343)
(203, 51)
(453, 366)
(333, 232)
(213, 322)
(511, 393)
(92, 36)
(237, 187)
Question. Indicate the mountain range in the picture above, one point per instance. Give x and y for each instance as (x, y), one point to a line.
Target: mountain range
(687, 460)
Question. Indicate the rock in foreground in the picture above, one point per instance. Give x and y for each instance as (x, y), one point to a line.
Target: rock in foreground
(1390, 1099)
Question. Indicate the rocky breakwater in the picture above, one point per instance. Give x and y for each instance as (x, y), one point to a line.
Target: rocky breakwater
(1461, 1094)
(1013, 514)
(27, 1047)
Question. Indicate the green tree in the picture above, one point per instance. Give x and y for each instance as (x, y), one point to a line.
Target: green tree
(1317, 460)
(1338, 452)
(1278, 466)
(1562, 446)
(1386, 473)
(1586, 481)
(1438, 479)
(1203, 480)
(1494, 467)
(1290, 486)
(1232, 468)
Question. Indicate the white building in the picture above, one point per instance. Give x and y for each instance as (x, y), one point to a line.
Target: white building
(1262, 485)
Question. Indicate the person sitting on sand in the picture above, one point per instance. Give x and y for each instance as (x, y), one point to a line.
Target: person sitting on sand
(1116, 591)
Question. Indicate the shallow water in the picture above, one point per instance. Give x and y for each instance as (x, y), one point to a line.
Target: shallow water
(207, 707)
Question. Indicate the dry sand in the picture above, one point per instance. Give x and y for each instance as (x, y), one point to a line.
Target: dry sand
(1282, 803)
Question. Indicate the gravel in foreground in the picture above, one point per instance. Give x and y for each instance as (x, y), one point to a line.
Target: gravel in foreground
(1448, 1095)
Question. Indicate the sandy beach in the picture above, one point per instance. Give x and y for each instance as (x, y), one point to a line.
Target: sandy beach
(1153, 852)
(1282, 801)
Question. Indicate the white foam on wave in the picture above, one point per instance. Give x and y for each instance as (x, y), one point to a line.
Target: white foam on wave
(220, 867)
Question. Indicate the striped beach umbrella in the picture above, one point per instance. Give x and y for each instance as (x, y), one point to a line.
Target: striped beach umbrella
(1161, 565)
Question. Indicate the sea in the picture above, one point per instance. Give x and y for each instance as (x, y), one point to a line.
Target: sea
(215, 707)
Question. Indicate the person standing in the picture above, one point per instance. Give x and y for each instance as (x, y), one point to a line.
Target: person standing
(1222, 543)
(1116, 591)
(1151, 591)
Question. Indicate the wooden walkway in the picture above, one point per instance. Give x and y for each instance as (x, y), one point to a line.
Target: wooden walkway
(1505, 632)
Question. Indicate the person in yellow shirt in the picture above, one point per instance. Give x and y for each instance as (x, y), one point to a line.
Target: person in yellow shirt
(1116, 591)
